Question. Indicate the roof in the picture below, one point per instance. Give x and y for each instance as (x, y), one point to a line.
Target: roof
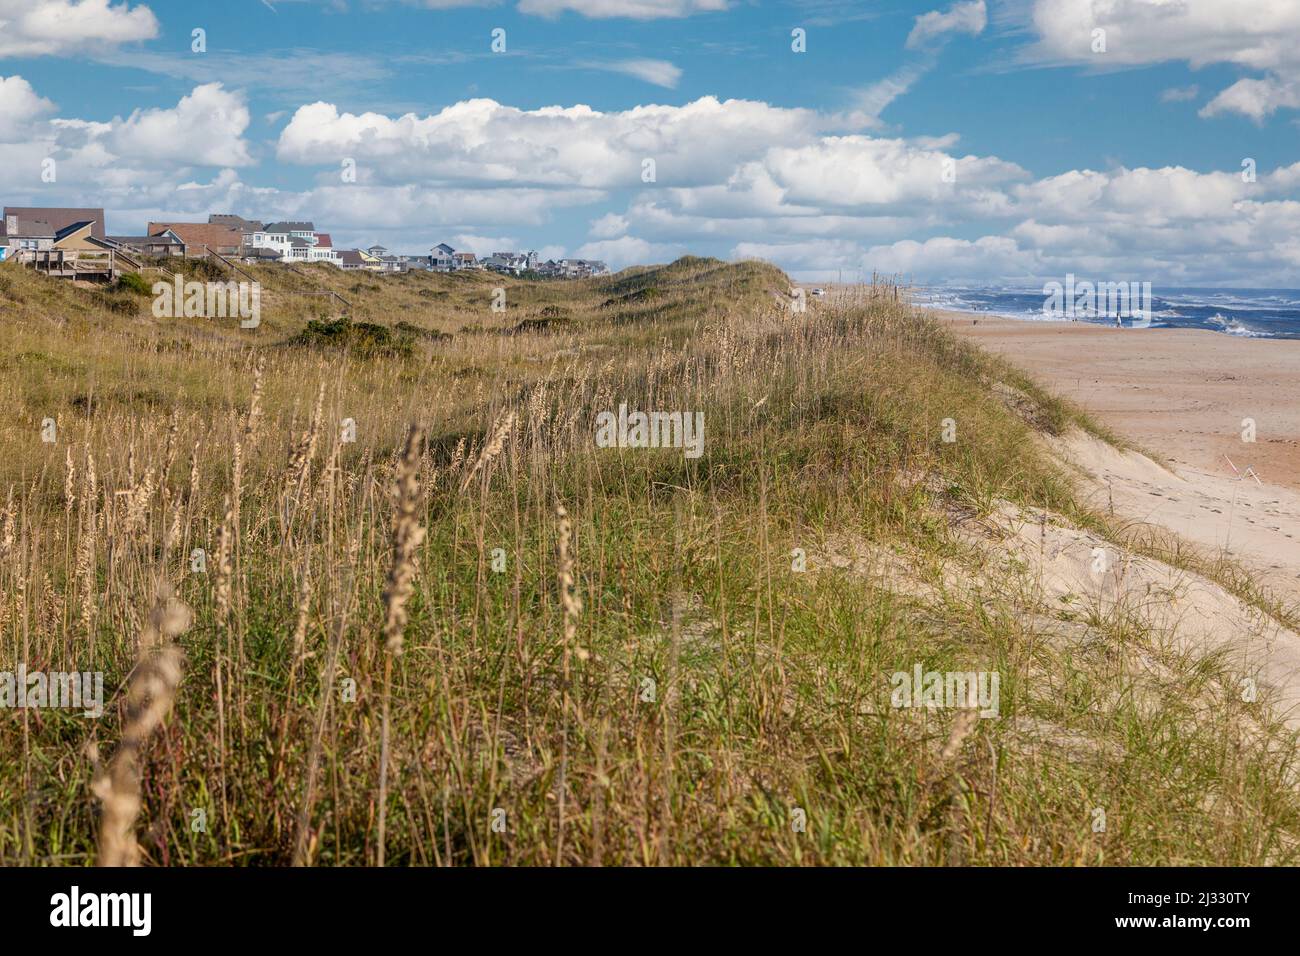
(289, 227)
(57, 217)
(72, 228)
(28, 229)
(351, 257)
(199, 233)
(444, 247)
(235, 222)
(144, 240)
(300, 243)
(323, 241)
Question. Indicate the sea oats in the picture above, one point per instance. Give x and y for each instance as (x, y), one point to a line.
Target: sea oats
(224, 569)
(69, 482)
(151, 690)
(7, 526)
(407, 534)
(500, 432)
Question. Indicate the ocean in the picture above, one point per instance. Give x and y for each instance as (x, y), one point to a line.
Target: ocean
(1251, 313)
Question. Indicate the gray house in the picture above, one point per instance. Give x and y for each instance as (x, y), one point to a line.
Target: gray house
(443, 257)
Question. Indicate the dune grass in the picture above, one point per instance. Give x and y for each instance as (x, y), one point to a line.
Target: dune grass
(609, 656)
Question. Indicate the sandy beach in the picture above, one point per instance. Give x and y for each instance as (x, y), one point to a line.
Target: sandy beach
(1182, 395)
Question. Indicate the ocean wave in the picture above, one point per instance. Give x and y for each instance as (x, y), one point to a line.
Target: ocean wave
(1267, 315)
(1236, 327)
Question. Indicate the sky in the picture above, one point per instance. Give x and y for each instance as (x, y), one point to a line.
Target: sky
(968, 143)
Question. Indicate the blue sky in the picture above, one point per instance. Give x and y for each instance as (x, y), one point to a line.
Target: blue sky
(967, 142)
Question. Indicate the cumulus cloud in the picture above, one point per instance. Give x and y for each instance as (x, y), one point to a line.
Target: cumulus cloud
(1257, 34)
(855, 171)
(795, 186)
(485, 142)
(123, 164)
(1253, 33)
(31, 28)
(20, 106)
(819, 207)
(970, 17)
(205, 128)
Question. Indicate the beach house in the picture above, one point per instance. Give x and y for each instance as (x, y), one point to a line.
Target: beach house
(200, 238)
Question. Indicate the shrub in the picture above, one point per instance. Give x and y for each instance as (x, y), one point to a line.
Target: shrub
(365, 338)
(134, 282)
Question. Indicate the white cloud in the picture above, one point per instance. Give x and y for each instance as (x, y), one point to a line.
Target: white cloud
(1180, 94)
(482, 141)
(19, 107)
(1254, 33)
(609, 226)
(659, 72)
(970, 17)
(631, 9)
(629, 250)
(947, 258)
(1257, 34)
(204, 129)
(812, 255)
(416, 207)
(122, 164)
(872, 100)
(482, 245)
(1257, 99)
(30, 28)
(790, 185)
(930, 33)
(855, 171)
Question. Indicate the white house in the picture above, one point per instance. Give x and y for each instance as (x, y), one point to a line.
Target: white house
(294, 241)
(323, 250)
(513, 262)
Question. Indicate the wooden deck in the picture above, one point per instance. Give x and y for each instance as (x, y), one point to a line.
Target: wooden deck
(84, 265)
